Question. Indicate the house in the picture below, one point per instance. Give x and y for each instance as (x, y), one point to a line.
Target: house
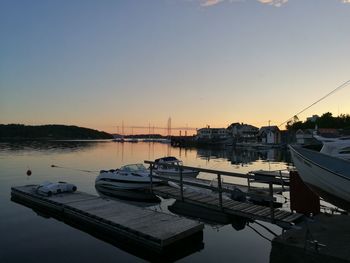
(313, 118)
(304, 136)
(269, 135)
(211, 133)
(243, 132)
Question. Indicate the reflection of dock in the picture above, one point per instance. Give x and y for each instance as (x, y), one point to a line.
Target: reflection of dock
(153, 230)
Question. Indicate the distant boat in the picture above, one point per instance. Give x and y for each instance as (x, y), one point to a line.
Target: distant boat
(118, 139)
(130, 181)
(161, 167)
(132, 140)
(337, 147)
(326, 175)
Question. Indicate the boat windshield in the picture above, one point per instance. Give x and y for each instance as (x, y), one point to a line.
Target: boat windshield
(134, 167)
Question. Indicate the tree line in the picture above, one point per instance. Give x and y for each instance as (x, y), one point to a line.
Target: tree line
(325, 121)
(57, 132)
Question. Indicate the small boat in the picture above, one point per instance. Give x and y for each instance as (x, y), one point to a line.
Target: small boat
(337, 147)
(131, 181)
(118, 139)
(162, 167)
(326, 175)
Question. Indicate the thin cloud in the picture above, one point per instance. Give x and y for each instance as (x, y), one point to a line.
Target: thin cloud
(276, 3)
(207, 3)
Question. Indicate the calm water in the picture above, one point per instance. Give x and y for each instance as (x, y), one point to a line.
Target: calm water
(29, 237)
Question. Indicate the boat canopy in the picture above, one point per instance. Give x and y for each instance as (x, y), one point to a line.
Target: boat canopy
(167, 159)
(133, 167)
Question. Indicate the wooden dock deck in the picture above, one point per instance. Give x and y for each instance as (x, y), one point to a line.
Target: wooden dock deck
(151, 229)
(216, 201)
(230, 207)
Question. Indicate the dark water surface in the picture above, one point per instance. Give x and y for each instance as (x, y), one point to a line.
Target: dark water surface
(29, 237)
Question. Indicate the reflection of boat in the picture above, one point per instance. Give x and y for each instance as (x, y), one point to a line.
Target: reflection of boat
(337, 147)
(130, 181)
(161, 167)
(327, 175)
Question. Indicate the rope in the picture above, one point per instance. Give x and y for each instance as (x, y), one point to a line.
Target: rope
(256, 231)
(346, 83)
(74, 169)
(266, 228)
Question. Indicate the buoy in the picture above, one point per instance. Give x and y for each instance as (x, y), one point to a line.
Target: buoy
(29, 172)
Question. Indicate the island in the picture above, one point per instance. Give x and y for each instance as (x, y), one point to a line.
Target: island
(50, 132)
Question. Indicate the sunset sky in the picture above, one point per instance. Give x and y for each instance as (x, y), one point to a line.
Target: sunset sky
(211, 62)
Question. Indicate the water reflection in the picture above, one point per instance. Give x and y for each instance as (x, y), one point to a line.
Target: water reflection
(244, 156)
(75, 157)
(47, 146)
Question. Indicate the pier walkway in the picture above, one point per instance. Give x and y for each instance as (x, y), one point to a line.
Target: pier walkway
(215, 199)
(230, 207)
(151, 229)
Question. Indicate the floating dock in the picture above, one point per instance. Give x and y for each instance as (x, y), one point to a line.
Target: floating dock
(144, 227)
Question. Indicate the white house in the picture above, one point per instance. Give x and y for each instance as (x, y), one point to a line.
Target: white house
(269, 135)
(212, 133)
(243, 132)
(304, 136)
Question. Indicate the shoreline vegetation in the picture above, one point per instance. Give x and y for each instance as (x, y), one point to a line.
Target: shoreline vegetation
(49, 132)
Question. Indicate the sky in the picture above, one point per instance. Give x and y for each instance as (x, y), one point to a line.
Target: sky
(99, 64)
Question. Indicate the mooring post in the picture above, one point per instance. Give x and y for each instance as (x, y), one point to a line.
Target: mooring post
(271, 202)
(181, 185)
(220, 190)
(151, 177)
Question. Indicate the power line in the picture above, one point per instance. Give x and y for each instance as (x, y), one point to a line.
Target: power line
(346, 83)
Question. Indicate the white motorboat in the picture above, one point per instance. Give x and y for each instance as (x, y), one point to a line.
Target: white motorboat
(130, 181)
(337, 147)
(171, 166)
(326, 175)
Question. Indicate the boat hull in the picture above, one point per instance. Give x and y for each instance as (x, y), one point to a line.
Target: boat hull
(331, 183)
(170, 172)
(142, 194)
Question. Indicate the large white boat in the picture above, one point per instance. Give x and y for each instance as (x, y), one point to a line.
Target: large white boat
(327, 175)
(337, 147)
(130, 181)
(171, 166)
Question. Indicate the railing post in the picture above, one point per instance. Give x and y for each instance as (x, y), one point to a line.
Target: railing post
(181, 185)
(272, 209)
(282, 181)
(220, 190)
(248, 181)
(151, 177)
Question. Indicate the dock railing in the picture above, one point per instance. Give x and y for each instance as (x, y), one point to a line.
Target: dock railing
(219, 189)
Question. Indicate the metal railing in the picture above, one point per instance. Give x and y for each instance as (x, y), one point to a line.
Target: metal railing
(219, 189)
